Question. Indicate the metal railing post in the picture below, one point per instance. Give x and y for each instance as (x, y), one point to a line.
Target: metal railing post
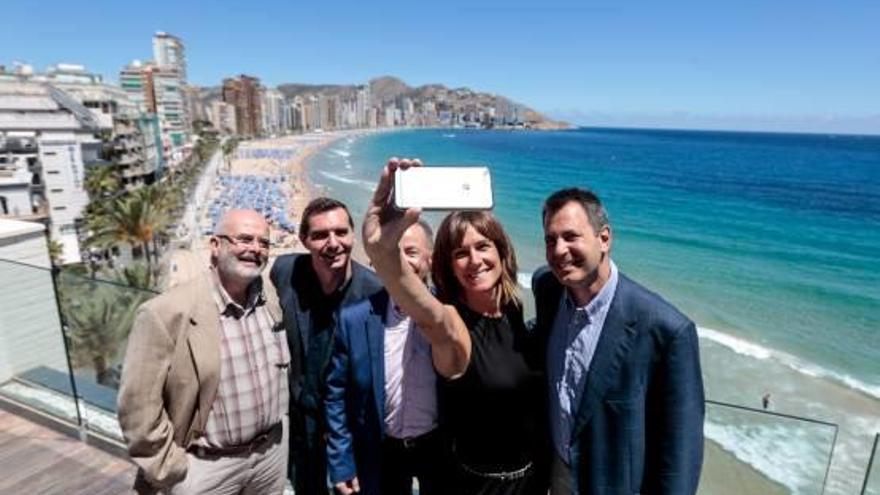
(870, 464)
(794, 417)
(79, 418)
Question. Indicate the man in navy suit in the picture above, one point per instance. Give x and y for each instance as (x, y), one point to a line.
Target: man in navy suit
(381, 401)
(626, 392)
(311, 289)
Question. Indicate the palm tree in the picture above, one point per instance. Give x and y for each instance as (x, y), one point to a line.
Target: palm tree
(99, 318)
(137, 276)
(135, 219)
(228, 147)
(101, 182)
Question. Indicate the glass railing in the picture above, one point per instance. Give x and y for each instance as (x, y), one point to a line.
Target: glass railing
(753, 451)
(871, 485)
(32, 345)
(748, 450)
(45, 371)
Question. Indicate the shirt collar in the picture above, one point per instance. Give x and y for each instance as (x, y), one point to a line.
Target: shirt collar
(227, 306)
(598, 303)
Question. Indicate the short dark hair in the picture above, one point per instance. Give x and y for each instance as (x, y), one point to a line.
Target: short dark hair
(591, 204)
(318, 206)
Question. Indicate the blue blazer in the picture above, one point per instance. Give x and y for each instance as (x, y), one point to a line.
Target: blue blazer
(355, 400)
(639, 426)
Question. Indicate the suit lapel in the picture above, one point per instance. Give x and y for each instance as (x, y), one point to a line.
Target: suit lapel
(376, 341)
(203, 339)
(611, 350)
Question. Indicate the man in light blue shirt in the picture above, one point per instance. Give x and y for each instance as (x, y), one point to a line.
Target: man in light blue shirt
(626, 392)
(574, 337)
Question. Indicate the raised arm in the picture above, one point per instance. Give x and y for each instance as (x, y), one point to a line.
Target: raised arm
(441, 324)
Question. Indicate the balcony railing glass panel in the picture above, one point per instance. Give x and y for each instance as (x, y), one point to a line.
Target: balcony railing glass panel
(33, 362)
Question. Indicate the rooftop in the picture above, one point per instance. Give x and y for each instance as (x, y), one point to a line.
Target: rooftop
(36, 459)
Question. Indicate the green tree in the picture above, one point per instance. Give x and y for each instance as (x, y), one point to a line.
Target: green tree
(134, 219)
(137, 275)
(101, 182)
(99, 316)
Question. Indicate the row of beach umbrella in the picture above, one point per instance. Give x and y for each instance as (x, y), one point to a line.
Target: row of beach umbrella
(261, 193)
(266, 153)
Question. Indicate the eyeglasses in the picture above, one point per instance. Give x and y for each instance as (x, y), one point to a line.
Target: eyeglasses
(247, 240)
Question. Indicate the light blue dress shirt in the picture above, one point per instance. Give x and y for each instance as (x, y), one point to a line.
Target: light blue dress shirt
(573, 339)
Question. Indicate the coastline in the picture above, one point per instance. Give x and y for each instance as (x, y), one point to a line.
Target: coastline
(722, 471)
(734, 449)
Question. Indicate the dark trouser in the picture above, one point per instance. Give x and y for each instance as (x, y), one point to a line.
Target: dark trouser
(307, 467)
(422, 458)
(561, 480)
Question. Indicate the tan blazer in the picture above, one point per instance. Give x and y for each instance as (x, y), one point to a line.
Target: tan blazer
(170, 378)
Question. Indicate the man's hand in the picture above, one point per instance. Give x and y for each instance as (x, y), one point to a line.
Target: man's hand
(384, 225)
(348, 487)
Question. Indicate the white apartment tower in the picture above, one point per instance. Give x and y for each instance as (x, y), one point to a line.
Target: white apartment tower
(168, 52)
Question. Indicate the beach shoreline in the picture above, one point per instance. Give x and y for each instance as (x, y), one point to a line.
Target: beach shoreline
(723, 470)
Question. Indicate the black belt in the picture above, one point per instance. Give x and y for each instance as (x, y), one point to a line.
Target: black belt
(501, 475)
(410, 443)
(268, 437)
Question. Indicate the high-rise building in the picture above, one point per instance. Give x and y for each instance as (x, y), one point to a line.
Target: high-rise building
(169, 61)
(170, 105)
(362, 105)
(244, 94)
(222, 116)
(168, 53)
(297, 114)
(409, 111)
(158, 90)
(132, 139)
(47, 138)
(273, 111)
(195, 108)
(137, 81)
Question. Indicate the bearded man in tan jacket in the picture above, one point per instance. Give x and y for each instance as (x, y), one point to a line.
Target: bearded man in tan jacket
(204, 397)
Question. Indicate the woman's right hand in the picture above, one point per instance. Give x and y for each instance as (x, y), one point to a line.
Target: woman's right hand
(384, 225)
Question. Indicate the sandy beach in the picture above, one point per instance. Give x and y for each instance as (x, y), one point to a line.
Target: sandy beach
(262, 159)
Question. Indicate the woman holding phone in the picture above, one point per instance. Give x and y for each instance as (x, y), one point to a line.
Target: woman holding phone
(493, 403)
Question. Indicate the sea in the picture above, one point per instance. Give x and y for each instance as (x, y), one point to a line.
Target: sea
(769, 242)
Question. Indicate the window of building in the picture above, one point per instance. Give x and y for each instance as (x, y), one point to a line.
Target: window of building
(56, 190)
(3, 206)
(52, 172)
(58, 208)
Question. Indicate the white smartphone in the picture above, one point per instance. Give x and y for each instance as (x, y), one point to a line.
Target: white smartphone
(444, 188)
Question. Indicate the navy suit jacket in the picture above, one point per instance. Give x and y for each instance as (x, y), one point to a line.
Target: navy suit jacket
(639, 426)
(355, 400)
(297, 286)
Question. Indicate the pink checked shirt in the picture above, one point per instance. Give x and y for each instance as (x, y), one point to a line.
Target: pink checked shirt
(252, 395)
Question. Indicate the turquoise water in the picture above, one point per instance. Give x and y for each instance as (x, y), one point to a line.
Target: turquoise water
(770, 242)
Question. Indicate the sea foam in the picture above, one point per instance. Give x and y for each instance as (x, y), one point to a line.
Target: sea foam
(758, 351)
(363, 184)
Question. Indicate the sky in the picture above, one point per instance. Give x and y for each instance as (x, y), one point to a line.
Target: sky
(782, 65)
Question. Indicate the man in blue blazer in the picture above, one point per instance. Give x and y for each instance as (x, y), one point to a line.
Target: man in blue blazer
(311, 289)
(626, 391)
(381, 400)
